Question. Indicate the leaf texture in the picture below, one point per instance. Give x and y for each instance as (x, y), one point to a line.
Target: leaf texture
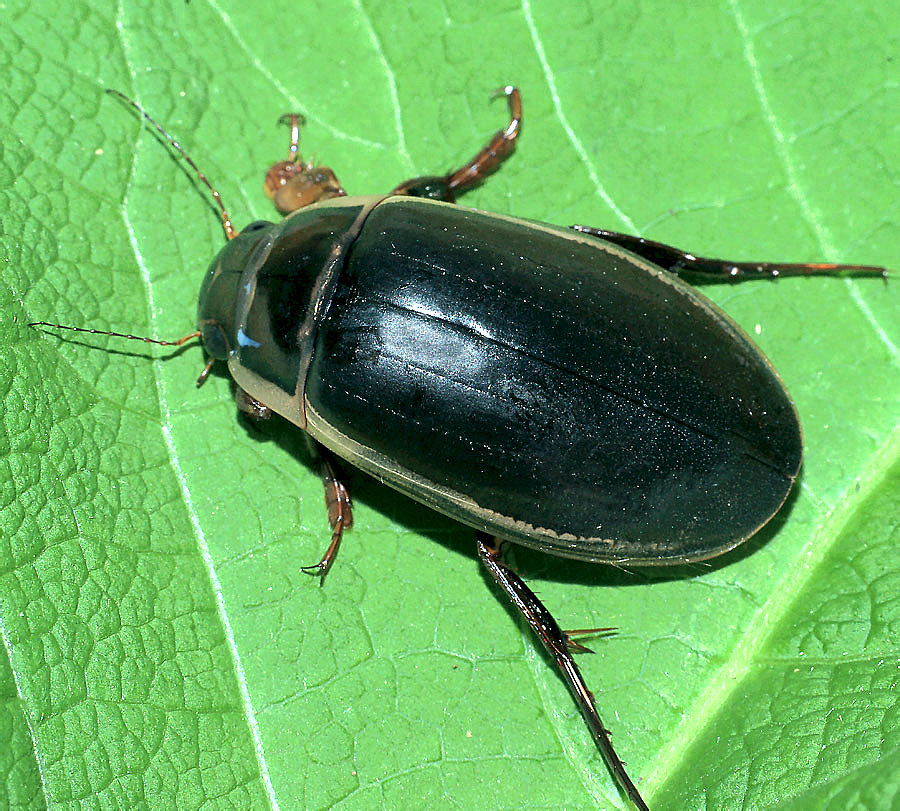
(162, 647)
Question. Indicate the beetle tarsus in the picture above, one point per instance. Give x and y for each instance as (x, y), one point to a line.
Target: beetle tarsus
(204, 375)
(448, 187)
(558, 645)
(322, 568)
(681, 262)
(340, 515)
(295, 121)
(574, 646)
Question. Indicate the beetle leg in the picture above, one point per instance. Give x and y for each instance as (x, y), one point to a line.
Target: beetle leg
(294, 183)
(558, 645)
(448, 187)
(678, 261)
(340, 514)
(575, 646)
(250, 407)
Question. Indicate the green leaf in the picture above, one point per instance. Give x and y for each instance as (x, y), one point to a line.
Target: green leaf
(164, 648)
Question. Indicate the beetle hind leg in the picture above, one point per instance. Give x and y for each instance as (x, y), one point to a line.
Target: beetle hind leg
(575, 646)
(340, 514)
(448, 187)
(560, 646)
(681, 262)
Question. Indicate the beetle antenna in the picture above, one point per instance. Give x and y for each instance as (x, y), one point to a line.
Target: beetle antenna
(179, 342)
(226, 219)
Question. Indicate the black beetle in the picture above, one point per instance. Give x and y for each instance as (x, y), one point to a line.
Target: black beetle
(560, 388)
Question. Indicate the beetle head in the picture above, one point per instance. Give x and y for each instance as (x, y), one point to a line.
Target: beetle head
(219, 294)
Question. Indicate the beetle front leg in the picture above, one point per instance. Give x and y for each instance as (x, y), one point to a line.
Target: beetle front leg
(337, 498)
(560, 647)
(294, 183)
(721, 270)
(340, 513)
(250, 407)
(448, 187)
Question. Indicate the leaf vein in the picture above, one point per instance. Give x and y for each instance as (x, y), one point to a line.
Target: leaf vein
(599, 188)
(765, 621)
(23, 706)
(392, 84)
(293, 100)
(823, 236)
(166, 427)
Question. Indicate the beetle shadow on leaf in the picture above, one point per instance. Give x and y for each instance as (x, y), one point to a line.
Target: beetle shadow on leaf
(531, 563)
(365, 489)
(459, 538)
(288, 438)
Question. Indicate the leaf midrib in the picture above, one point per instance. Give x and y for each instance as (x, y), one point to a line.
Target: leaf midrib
(766, 621)
(167, 431)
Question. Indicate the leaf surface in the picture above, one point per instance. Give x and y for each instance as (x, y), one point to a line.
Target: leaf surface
(160, 643)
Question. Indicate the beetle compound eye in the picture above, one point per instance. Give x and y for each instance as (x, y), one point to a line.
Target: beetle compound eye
(255, 226)
(215, 341)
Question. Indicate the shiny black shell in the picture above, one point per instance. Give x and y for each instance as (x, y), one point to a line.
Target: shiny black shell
(530, 381)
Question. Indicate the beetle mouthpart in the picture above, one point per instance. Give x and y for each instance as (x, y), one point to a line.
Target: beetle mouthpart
(205, 373)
